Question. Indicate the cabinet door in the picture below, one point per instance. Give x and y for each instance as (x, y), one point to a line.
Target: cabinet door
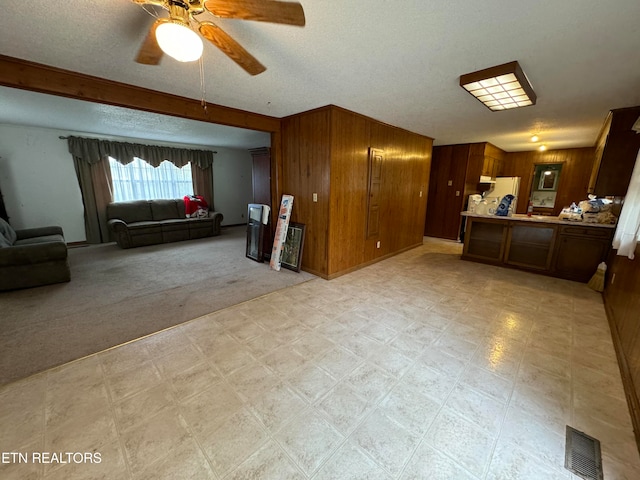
(577, 258)
(498, 167)
(619, 154)
(484, 240)
(488, 167)
(530, 246)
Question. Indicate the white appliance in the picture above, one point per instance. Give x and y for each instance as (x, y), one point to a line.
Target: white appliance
(504, 186)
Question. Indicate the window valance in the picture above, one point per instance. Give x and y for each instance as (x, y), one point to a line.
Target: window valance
(92, 150)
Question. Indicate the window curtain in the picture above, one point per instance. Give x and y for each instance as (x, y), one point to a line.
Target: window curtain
(203, 183)
(96, 189)
(628, 231)
(91, 162)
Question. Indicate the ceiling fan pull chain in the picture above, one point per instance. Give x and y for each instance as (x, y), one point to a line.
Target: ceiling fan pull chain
(203, 102)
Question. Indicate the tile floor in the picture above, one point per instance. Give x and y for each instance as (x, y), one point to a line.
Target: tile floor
(421, 366)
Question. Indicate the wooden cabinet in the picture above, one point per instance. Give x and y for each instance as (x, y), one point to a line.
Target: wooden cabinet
(580, 250)
(486, 240)
(493, 163)
(616, 151)
(530, 245)
(557, 249)
(492, 167)
(488, 167)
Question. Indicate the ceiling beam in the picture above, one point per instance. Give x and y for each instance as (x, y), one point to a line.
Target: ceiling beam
(36, 77)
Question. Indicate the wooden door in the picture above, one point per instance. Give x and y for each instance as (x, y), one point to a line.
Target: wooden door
(446, 191)
(261, 183)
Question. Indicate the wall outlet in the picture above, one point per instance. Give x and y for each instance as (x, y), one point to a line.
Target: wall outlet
(457, 193)
(315, 197)
(378, 244)
(450, 183)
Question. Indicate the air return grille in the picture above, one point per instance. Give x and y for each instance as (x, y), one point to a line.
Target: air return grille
(582, 455)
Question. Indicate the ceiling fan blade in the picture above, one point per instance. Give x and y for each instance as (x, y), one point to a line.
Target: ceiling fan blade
(150, 52)
(231, 48)
(288, 13)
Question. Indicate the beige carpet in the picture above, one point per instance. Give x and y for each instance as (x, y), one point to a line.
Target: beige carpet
(119, 295)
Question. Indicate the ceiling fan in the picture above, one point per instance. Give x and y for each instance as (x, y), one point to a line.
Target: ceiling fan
(174, 34)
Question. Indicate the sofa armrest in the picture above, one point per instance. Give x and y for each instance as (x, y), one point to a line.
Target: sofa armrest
(116, 225)
(217, 220)
(32, 253)
(38, 232)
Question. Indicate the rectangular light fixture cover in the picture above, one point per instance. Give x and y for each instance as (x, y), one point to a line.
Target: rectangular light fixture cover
(500, 88)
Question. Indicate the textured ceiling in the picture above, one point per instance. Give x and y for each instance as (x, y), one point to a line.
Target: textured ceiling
(396, 61)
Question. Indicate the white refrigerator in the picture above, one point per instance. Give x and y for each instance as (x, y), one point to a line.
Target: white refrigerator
(502, 187)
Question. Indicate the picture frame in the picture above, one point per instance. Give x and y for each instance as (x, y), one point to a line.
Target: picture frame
(293, 246)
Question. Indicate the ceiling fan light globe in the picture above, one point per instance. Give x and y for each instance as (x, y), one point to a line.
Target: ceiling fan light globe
(179, 42)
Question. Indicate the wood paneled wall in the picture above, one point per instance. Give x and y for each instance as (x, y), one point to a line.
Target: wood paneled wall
(325, 151)
(306, 170)
(574, 179)
(348, 245)
(622, 302)
(405, 173)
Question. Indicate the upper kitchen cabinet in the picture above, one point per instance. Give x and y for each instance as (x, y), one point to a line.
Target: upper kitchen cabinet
(493, 162)
(616, 151)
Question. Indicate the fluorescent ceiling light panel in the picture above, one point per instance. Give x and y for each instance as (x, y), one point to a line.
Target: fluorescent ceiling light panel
(500, 88)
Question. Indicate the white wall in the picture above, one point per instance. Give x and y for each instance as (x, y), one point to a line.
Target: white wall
(40, 187)
(38, 181)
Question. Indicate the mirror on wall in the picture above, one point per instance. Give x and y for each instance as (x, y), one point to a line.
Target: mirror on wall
(544, 187)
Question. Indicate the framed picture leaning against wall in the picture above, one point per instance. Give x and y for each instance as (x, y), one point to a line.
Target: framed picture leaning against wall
(292, 250)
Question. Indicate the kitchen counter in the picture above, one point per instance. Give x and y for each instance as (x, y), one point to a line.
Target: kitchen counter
(538, 219)
(541, 244)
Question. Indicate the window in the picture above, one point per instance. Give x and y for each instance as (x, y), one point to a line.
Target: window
(140, 181)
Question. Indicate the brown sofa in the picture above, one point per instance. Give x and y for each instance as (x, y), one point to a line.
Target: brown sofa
(148, 222)
(37, 256)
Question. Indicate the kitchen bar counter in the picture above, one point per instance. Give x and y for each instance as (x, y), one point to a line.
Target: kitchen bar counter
(538, 219)
(541, 244)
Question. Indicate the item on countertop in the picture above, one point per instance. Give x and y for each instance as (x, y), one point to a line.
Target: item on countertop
(573, 213)
(493, 206)
(482, 207)
(474, 200)
(570, 216)
(503, 208)
(530, 208)
(599, 217)
(594, 205)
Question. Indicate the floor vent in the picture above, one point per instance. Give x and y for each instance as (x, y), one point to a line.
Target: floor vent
(582, 455)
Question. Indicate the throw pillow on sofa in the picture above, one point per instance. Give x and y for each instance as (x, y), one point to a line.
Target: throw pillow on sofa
(7, 232)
